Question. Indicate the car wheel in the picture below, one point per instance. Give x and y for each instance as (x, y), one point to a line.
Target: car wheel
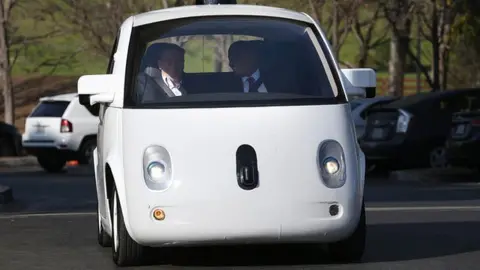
(126, 252)
(438, 157)
(104, 239)
(86, 151)
(52, 164)
(7, 147)
(352, 248)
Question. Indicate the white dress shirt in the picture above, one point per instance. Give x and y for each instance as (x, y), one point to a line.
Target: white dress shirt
(171, 84)
(255, 76)
(157, 74)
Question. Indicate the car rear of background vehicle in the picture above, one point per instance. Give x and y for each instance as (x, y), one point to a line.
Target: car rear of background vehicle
(10, 141)
(45, 122)
(411, 131)
(58, 130)
(463, 144)
(360, 108)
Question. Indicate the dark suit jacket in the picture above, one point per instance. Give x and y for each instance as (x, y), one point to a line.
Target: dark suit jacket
(150, 89)
(268, 81)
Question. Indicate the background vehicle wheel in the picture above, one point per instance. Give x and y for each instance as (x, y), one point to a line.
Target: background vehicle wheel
(86, 151)
(352, 248)
(126, 252)
(104, 239)
(52, 164)
(7, 147)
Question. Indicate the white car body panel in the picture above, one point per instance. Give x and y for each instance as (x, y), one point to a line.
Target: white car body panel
(217, 10)
(205, 203)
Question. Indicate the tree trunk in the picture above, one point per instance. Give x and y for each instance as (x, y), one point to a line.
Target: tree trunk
(335, 26)
(396, 67)
(363, 56)
(435, 48)
(443, 66)
(448, 17)
(6, 80)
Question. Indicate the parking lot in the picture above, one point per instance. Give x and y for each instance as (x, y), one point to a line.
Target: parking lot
(52, 225)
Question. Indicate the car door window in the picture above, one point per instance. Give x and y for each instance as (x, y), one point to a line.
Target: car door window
(473, 101)
(111, 63)
(454, 104)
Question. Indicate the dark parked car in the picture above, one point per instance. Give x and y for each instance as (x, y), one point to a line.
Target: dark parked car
(463, 144)
(411, 132)
(10, 140)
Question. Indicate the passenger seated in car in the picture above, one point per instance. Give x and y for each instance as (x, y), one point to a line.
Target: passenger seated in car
(163, 74)
(244, 57)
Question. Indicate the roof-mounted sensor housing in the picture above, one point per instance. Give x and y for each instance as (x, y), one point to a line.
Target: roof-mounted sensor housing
(215, 2)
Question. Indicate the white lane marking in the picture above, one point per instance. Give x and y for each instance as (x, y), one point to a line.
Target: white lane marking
(368, 209)
(67, 214)
(424, 208)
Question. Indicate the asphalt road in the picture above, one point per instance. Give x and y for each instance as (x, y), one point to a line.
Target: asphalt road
(411, 226)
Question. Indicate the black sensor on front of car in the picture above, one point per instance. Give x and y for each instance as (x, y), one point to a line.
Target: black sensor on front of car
(247, 170)
(215, 2)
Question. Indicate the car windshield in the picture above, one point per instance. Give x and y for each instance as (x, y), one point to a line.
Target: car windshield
(354, 104)
(229, 61)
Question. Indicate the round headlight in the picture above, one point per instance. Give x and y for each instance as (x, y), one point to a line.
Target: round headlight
(331, 165)
(156, 170)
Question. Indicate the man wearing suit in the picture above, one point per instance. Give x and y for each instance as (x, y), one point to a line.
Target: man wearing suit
(244, 57)
(162, 75)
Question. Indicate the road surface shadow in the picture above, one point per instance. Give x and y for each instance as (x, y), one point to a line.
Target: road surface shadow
(385, 243)
(422, 194)
(34, 172)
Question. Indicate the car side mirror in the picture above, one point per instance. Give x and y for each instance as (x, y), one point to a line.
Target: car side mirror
(360, 82)
(93, 89)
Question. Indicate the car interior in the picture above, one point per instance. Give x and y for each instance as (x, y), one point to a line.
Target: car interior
(285, 55)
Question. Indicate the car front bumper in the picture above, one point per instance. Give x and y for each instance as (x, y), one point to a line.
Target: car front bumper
(463, 153)
(241, 223)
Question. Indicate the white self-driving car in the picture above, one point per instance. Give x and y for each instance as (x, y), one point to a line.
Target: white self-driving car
(226, 124)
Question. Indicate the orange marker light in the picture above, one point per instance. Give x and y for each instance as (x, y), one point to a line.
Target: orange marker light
(158, 214)
(72, 163)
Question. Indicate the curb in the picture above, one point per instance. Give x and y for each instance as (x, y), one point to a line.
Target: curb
(6, 195)
(27, 161)
(431, 176)
(18, 162)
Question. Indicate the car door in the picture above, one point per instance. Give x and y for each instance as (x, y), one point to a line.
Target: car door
(101, 185)
(447, 106)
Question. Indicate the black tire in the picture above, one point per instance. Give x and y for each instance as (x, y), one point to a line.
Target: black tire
(86, 151)
(125, 251)
(352, 248)
(52, 164)
(7, 147)
(103, 238)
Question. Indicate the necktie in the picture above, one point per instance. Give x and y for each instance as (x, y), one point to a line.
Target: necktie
(250, 81)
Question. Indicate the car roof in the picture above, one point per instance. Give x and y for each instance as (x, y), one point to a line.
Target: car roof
(217, 10)
(428, 96)
(62, 97)
(371, 100)
(365, 102)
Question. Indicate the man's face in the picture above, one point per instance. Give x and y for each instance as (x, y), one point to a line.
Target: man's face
(172, 63)
(244, 63)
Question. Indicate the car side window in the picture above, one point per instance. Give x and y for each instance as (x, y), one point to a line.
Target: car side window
(454, 104)
(473, 102)
(365, 111)
(111, 63)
